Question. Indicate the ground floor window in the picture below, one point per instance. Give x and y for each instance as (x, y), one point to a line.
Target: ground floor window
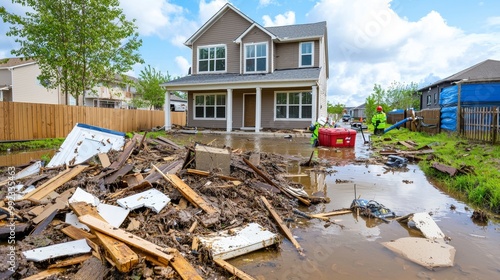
(210, 106)
(105, 103)
(293, 105)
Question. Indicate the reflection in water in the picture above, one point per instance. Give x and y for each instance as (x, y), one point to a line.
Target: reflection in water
(23, 158)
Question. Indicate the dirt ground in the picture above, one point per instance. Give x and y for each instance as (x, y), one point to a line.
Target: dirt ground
(237, 201)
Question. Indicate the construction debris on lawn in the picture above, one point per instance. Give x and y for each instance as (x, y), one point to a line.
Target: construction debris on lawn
(149, 208)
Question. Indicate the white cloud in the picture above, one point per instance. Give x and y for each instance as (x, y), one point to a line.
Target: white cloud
(370, 44)
(281, 19)
(264, 3)
(207, 10)
(493, 21)
(183, 64)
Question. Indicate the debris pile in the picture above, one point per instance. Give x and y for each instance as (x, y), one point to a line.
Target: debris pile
(152, 209)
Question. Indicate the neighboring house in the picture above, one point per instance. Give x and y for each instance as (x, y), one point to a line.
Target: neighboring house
(358, 112)
(19, 83)
(177, 103)
(115, 94)
(249, 77)
(484, 71)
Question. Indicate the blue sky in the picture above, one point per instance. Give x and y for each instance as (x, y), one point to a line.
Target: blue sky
(370, 41)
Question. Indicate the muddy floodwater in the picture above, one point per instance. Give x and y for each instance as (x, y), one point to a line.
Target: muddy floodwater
(355, 251)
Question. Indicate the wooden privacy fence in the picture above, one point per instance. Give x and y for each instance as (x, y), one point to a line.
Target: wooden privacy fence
(430, 122)
(27, 121)
(480, 123)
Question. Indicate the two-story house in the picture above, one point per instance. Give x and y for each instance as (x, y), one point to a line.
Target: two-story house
(248, 77)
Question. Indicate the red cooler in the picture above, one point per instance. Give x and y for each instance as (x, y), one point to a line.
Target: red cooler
(342, 137)
(324, 136)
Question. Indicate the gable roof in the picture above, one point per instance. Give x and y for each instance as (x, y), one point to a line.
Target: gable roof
(15, 62)
(485, 70)
(254, 25)
(299, 31)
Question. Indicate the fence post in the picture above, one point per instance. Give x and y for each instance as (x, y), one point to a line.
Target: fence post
(494, 125)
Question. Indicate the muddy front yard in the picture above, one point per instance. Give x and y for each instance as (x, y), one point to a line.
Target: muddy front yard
(347, 246)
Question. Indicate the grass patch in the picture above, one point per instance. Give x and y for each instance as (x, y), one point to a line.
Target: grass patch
(481, 187)
(31, 145)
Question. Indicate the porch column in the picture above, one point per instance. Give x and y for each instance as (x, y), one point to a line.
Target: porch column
(229, 110)
(258, 108)
(166, 109)
(314, 93)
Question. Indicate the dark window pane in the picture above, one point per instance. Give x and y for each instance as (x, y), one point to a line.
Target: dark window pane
(280, 112)
(221, 52)
(210, 100)
(250, 65)
(200, 100)
(307, 98)
(261, 64)
(221, 112)
(221, 100)
(203, 66)
(261, 50)
(220, 65)
(306, 112)
(212, 53)
(210, 112)
(281, 98)
(203, 54)
(294, 98)
(306, 60)
(199, 112)
(212, 65)
(293, 112)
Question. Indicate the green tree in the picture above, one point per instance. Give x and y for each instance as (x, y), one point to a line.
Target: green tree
(335, 109)
(77, 43)
(149, 87)
(402, 96)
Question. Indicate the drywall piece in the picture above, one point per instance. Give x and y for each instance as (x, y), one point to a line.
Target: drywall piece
(18, 193)
(152, 198)
(28, 171)
(228, 244)
(82, 196)
(85, 141)
(114, 215)
(54, 251)
(213, 159)
(425, 252)
(427, 226)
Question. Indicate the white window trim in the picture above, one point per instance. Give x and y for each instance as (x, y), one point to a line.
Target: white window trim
(312, 54)
(288, 104)
(207, 47)
(209, 119)
(245, 57)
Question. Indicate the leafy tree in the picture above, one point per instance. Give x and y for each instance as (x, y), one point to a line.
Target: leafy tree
(77, 43)
(402, 96)
(149, 87)
(335, 109)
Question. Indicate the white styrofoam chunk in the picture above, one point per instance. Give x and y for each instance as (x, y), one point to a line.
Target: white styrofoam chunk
(152, 198)
(58, 250)
(28, 171)
(72, 219)
(427, 226)
(82, 196)
(240, 241)
(114, 215)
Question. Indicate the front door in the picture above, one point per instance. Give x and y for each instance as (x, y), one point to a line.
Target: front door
(249, 109)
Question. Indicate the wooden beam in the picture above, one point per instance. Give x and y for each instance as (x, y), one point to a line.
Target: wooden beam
(93, 269)
(328, 214)
(71, 261)
(46, 273)
(61, 203)
(233, 270)
(40, 192)
(184, 268)
(135, 241)
(282, 225)
(187, 192)
(269, 181)
(125, 154)
(123, 257)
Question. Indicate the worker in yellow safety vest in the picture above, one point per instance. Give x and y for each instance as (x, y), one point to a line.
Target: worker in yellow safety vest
(378, 121)
(315, 131)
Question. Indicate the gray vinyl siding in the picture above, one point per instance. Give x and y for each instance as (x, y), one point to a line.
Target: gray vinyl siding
(5, 77)
(26, 88)
(223, 31)
(287, 55)
(257, 36)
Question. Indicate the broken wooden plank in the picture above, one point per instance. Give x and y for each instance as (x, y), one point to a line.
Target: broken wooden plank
(153, 199)
(123, 257)
(227, 244)
(38, 229)
(167, 141)
(406, 144)
(334, 213)
(233, 270)
(183, 267)
(187, 192)
(118, 174)
(104, 159)
(20, 229)
(93, 269)
(58, 250)
(445, 168)
(126, 237)
(76, 233)
(167, 168)
(70, 261)
(40, 192)
(282, 225)
(133, 179)
(60, 203)
(144, 184)
(206, 174)
(46, 273)
(423, 251)
(283, 190)
(125, 154)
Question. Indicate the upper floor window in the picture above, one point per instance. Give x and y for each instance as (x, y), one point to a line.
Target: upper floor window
(435, 98)
(306, 54)
(212, 59)
(210, 106)
(293, 105)
(429, 100)
(256, 57)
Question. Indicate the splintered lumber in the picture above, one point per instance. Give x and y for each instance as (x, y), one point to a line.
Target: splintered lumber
(93, 269)
(103, 157)
(46, 273)
(142, 185)
(118, 174)
(206, 174)
(129, 148)
(269, 181)
(40, 192)
(282, 225)
(184, 268)
(61, 203)
(167, 168)
(328, 214)
(187, 192)
(233, 270)
(71, 261)
(100, 226)
(167, 141)
(76, 233)
(123, 257)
